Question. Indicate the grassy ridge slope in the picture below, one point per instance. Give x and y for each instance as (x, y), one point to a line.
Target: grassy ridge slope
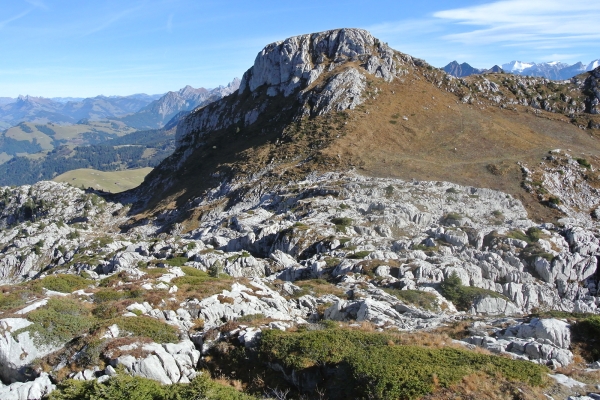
(115, 181)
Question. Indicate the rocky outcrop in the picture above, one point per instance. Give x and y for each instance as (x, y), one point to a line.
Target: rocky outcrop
(167, 363)
(17, 351)
(297, 62)
(37, 389)
(544, 341)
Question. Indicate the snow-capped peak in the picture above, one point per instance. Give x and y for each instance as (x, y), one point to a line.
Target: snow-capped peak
(517, 66)
(593, 65)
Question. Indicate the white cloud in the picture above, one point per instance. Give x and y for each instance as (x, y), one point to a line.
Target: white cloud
(529, 23)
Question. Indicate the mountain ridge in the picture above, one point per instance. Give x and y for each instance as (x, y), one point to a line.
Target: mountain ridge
(552, 70)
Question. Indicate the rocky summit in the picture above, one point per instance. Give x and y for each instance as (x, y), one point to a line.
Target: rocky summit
(350, 223)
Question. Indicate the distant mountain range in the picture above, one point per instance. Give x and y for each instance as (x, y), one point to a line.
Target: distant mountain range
(159, 112)
(464, 69)
(552, 70)
(140, 111)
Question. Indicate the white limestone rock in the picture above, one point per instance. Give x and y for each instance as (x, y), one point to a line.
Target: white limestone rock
(32, 390)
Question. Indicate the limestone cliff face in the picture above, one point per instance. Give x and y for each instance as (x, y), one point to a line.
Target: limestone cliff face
(325, 71)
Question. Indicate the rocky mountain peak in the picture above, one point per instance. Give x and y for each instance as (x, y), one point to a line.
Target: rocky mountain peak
(326, 70)
(296, 62)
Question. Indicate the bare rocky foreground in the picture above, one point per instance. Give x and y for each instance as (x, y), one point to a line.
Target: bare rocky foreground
(165, 298)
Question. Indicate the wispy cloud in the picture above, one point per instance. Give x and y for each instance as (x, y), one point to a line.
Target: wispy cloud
(530, 23)
(170, 23)
(112, 20)
(37, 4)
(11, 19)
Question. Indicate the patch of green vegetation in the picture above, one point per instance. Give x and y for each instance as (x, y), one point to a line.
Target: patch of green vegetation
(152, 271)
(359, 254)
(73, 235)
(250, 318)
(14, 299)
(587, 331)
(344, 206)
(453, 216)
(389, 190)
(554, 200)
(126, 387)
(452, 190)
(531, 236)
(195, 276)
(64, 283)
(110, 295)
(584, 163)
(464, 296)
(341, 223)
(374, 365)
(425, 300)
(156, 330)
(176, 261)
(331, 262)
(58, 321)
(516, 234)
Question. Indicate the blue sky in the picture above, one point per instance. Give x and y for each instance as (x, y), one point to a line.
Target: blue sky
(78, 48)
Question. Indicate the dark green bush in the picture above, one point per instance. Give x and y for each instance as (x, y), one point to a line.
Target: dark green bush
(341, 223)
(587, 331)
(584, 163)
(463, 296)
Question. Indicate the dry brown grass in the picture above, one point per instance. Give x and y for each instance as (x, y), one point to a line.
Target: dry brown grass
(456, 330)
(482, 386)
(318, 288)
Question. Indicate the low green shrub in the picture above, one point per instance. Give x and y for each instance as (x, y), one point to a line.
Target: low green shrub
(110, 295)
(584, 163)
(126, 387)
(516, 234)
(463, 296)
(58, 321)
(156, 330)
(64, 283)
(359, 254)
(359, 364)
(14, 299)
(587, 331)
(341, 223)
(176, 261)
